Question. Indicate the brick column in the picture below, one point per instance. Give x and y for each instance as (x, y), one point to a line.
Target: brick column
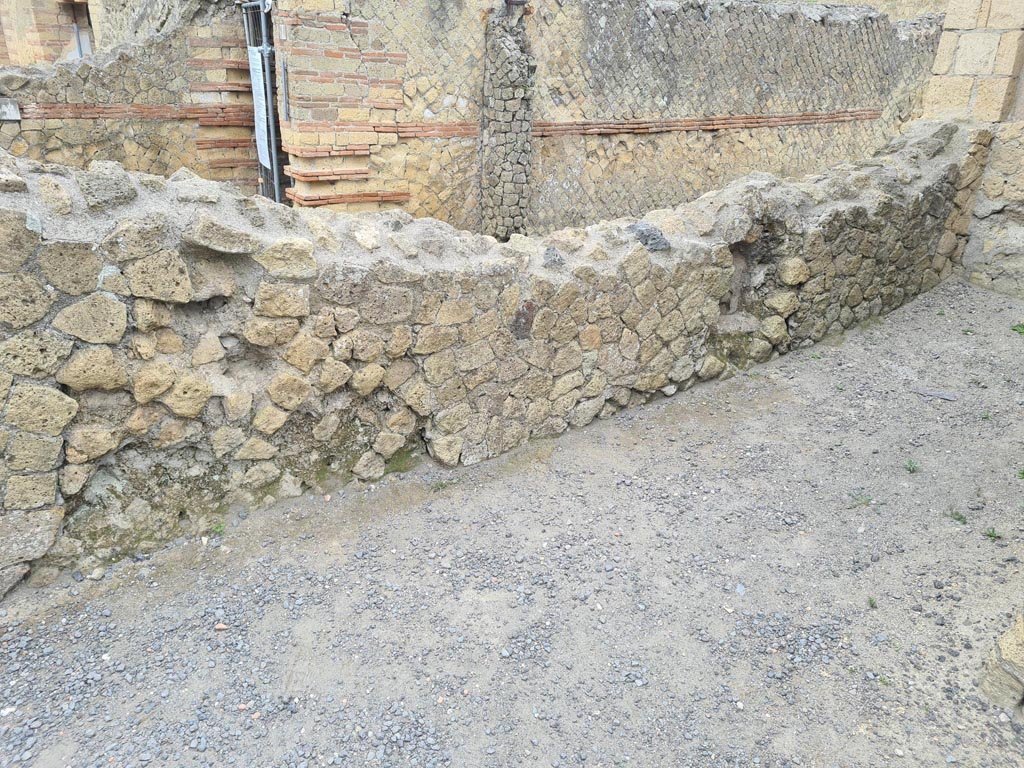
(977, 69)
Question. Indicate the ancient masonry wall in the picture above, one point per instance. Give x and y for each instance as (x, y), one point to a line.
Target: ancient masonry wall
(177, 100)
(995, 255)
(636, 105)
(506, 148)
(168, 347)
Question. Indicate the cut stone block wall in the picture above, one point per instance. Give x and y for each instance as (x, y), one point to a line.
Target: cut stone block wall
(169, 347)
(636, 104)
(995, 254)
(179, 99)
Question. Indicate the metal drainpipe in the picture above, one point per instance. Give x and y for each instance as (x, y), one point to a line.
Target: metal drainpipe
(268, 86)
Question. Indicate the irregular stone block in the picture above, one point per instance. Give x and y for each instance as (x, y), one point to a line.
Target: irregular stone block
(367, 378)
(23, 300)
(305, 351)
(208, 350)
(256, 449)
(90, 442)
(152, 380)
(99, 319)
(370, 466)
(334, 374)
(269, 332)
(213, 235)
(137, 237)
(17, 241)
(226, 439)
(33, 452)
(72, 267)
(35, 353)
(269, 419)
(793, 271)
(106, 184)
(291, 258)
(40, 409)
(188, 396)
(94, 368)
(282, 300)
(289, 391)
(30, 491)
(1002, 679)
(27, 535)
(162, 276)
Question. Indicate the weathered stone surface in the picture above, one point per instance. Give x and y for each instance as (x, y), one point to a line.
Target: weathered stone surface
(370, 466)
(162, 276)
(290, 258)
(289, 391)
(152, 380)
(55, 196)
(188, 396)
(23, 300)
(136, 238)
(237, 405)
(98, 318)
(71, 267)
(73, 477)
(282, 300)
(90, 442)
(256, 449)
(94, 368)
(33, 452)
(447, 450)
(206, 232)
(388, 443)
(208, 349)
(793, 271)
(40, 409)
(783, 303)
(17, 241)
(1002, 679)
(30, 491)
(306, 351)
(269, 332)
(226, 439)
(10, 575)
(106, 184)
(150, 315)
(774, 329)
(212, 277)
(27, 535)
(367, 378)
(334, 374)
(35, 353)
(269, 419)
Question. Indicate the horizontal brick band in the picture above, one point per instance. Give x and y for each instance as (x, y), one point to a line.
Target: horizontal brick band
(220, 87)
(333, 21)
(206, 114)
(328, 174)
(716, 123)
(597, 127)
(225, 143)
(312, 201)
(349, 150)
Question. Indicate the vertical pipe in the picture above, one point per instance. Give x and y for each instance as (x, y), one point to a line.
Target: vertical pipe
(268, 86)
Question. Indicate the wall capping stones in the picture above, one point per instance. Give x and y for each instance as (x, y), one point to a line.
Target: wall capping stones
(208, 348)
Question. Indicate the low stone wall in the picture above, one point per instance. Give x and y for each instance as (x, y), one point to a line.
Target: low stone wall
(995, 256)
(169, 346)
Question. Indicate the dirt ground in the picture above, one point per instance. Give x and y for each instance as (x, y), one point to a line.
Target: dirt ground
(802, 566)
